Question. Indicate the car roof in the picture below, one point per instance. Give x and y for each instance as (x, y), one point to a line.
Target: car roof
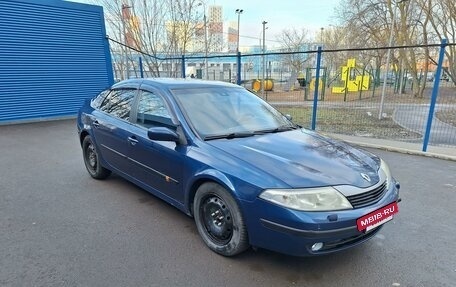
(173, 83)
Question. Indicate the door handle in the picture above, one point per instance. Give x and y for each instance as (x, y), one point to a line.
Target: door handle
(96, 124)
(132, 140)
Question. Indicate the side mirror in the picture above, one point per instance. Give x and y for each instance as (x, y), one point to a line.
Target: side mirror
(162, 134)
(288, 117)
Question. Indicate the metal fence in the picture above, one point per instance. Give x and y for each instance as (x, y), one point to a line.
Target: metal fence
(347, 91)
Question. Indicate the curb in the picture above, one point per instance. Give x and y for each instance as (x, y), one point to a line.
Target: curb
(403, 150)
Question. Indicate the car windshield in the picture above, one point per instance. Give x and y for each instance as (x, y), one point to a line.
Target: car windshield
(229, 112)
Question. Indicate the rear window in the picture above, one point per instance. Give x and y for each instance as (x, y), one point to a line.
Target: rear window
(118, 103)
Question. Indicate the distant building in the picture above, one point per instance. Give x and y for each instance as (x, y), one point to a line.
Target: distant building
(215, 27)
(131, 29)
(232, 37)
(178, 32)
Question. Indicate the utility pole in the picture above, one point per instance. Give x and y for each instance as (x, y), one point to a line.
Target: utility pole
(206, 68)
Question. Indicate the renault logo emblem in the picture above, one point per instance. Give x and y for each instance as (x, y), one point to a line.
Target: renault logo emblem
(366, 177)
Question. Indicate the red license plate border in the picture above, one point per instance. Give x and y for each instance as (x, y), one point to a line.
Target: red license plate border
(391, 209)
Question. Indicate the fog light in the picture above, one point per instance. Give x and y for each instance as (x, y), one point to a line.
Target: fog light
(317, 246)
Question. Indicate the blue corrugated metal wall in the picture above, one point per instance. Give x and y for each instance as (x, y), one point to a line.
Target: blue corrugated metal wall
(53, 55)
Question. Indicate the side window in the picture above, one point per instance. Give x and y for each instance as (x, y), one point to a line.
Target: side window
(118, 103)
(152, 111)
(96, 102)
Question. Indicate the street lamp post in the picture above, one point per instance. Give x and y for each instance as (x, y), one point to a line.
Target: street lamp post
(321, 35)
(238, 12)
(388, 57)
(264, 58)
(206, 67)
(322, 43)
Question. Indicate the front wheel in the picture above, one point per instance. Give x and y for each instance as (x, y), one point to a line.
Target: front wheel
(92, 160)
(219, 220)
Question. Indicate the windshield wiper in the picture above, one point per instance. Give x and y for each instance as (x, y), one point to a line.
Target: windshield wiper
(276, 130)
(229, 136)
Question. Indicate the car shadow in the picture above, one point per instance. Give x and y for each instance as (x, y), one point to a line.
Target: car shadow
(293, 269)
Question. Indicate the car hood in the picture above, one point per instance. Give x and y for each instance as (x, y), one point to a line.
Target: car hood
(302, 158)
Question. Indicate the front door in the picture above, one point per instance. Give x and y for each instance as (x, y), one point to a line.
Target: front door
(157, 164)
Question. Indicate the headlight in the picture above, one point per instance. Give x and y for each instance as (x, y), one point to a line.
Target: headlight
(309, 199)
(384, 167)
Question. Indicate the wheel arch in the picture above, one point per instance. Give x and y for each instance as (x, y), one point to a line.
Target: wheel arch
(82, 136)
(210, 175)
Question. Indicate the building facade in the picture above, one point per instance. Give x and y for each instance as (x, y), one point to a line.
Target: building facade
(215, 27)
(232, 37)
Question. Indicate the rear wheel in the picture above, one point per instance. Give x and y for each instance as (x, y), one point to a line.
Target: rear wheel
(92, 160)
(219, 220)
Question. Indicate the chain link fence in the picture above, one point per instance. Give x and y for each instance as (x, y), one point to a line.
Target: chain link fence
(350, 92)
(359, 98)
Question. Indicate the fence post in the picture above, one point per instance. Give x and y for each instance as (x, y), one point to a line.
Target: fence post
(324, 81)
(317, 83)
(347, 77)
(373, 82)
(361, 84)
(141, 71)
(238, 68)
(183, 66)
(307, 81)
(435, 92)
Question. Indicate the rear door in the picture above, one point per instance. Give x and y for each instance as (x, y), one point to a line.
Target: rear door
(110, 127)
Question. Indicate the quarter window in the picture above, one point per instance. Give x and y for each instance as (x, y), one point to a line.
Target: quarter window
(152, 111)
(96, 102)
(118, 103)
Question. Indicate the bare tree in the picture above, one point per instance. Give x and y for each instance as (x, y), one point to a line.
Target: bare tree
(159, 29)
(334, 38)
(294, 40)
(418, 26)
(442, 20)
(370, 23)
(367, 24)
(418, 22)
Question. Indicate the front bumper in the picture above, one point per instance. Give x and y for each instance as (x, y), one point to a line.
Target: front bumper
(294, 232)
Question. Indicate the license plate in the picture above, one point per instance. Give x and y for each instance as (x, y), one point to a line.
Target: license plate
(377, 218)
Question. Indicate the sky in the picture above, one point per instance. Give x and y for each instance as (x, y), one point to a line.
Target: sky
(280, 14)
(309, 14)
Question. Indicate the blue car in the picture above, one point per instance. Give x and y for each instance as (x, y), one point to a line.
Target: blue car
(248, 175)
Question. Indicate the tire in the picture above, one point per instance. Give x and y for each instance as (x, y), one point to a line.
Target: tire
(92, 160)
(219, 220)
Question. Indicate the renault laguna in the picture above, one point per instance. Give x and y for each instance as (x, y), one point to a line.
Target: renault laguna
(246, 173)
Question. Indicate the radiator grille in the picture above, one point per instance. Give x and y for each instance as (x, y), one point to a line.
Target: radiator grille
(368, 197)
